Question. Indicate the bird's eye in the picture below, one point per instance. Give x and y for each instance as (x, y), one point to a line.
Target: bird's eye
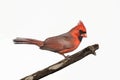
(82, 32)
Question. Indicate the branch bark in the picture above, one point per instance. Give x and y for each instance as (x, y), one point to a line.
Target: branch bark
(63, 63)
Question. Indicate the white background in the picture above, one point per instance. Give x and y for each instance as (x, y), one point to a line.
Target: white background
(40, 19)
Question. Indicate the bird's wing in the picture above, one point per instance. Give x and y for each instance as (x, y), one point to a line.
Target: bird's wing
(58, 43)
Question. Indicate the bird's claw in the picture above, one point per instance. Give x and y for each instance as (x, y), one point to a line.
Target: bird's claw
(67, 56)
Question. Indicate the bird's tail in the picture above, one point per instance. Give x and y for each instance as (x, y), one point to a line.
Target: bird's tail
(28, 41)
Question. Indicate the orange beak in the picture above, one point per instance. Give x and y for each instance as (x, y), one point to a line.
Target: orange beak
(84, 35)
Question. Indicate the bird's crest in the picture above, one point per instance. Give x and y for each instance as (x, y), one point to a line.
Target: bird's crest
(79, 26)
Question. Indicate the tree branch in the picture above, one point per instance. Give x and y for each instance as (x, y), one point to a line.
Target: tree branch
(63, 63)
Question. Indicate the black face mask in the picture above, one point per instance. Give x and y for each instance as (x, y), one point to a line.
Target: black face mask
(81, 32)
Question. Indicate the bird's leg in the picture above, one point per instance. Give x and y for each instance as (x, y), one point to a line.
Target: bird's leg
(65, 56)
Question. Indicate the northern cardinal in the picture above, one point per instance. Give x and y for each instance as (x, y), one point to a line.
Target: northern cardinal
(61, 44)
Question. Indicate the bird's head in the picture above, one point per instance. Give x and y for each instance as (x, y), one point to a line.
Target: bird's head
(82, 29)
(79, 30)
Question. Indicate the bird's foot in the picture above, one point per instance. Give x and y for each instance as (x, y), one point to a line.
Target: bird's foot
(66, 57)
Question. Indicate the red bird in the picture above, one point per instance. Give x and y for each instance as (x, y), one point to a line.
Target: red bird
(61, 44)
